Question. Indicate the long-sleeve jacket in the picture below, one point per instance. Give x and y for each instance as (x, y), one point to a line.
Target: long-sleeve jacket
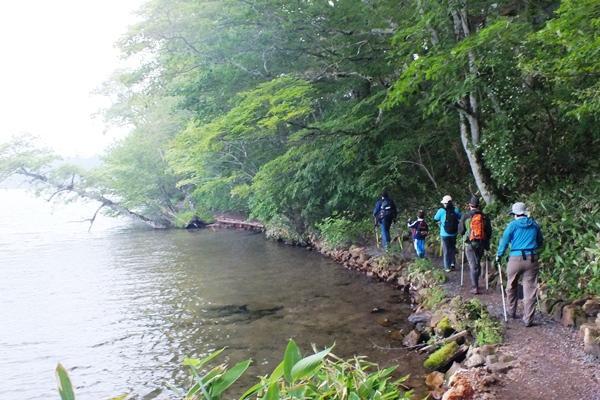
(440, 216)
(523, 235)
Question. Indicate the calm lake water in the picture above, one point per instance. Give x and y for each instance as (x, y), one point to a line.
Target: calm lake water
(121, 306)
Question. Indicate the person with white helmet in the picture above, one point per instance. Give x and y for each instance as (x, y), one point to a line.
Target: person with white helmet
(448, 217)
(524, 237)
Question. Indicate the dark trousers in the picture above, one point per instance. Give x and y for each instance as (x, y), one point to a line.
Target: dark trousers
(385, 225)
(528, 269)
(474, 253)
(449, 250)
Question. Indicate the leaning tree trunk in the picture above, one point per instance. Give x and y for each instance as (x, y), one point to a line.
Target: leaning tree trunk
(468, 109)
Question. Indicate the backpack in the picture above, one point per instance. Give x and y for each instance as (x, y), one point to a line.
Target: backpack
(477, 228)
(386, 209)
(421, 231)
(451, 222)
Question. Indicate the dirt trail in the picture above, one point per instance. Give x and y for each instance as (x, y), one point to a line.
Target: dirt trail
(551, 360)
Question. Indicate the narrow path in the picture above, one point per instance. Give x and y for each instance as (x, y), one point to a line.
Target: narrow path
(551, 360)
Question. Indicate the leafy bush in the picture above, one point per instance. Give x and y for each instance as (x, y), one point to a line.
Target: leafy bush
(474, 316)
(341, 230)
(433, 296)
(318, 376)
(423, 270)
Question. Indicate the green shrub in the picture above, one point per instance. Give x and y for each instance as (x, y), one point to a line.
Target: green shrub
(487, 331)
(342, 230)
(317, 376)
(441, 356)
(475, 317)
(423, 270)
(433, 296)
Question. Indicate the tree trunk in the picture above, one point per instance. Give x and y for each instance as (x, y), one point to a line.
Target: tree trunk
(469, 125)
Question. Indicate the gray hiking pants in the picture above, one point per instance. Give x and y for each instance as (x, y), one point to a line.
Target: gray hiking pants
(529, 269)
(474, 253)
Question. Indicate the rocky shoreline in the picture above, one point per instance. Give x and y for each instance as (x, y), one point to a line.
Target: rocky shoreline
(463, 364)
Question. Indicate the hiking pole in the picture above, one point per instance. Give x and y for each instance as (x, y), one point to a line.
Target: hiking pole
(462, 264)
(487, 279)
(376, 236)
(502, 290)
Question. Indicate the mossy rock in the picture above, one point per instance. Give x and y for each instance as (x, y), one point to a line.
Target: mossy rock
(441, 357)
(444, 328)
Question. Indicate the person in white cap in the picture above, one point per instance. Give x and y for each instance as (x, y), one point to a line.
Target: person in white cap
(524, 236)
(448, 218)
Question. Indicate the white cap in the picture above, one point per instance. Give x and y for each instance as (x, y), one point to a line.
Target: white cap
(446, 199)
(518, 208)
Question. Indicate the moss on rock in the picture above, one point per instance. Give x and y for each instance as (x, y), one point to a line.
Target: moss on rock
(441, 357)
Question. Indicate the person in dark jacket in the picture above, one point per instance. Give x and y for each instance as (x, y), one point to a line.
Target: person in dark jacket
(475, 244)
(384, 214)
(524, 237)
(448, 213)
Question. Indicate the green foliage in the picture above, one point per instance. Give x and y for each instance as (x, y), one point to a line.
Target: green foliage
(317, 376)
(65, 388)
(441, 356)
(424, 271)
(341, 230)
(474, 316)
(433, 296)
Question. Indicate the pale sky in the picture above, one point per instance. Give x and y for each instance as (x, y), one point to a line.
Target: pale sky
(54, 54)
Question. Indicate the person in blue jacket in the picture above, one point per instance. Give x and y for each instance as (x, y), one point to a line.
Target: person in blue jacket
(524, 237)
(448, 217)
(385, 213)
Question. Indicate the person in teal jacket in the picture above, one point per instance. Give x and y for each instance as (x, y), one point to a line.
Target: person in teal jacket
(524, 237)
(448, 218)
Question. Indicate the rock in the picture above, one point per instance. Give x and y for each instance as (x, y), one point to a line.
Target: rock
(491, 359)
(412, 339)
(487, 350)
(355, 251)
(397, 335)
(434, 380)
(476, 360)
(572, 316)
(422, 317)
(443, 328)
(598, 320)
(557, 311)
(591, 307)
(456, 366)
(385, 322)
(591, 339)
(377, 310)
(460, 388)
(580, 302)
(499, 367)
(505, 358)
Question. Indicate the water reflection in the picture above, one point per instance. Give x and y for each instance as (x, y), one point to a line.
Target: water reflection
(122, 307)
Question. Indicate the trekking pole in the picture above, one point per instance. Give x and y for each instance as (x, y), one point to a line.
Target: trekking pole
(462, 264)
(487, 279)
(502, 290)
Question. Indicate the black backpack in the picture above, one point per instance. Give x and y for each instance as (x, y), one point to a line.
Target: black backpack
(387, 209)
(421, 230)
(451, 221)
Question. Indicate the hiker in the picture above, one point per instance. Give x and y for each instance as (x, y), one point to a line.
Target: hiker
(524, 236)
(384, 214)
(475, 226)
(448, 217)
(420, 230)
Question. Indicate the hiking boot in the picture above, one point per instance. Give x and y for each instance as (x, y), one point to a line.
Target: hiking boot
(474, 291)
(447, 270)
(452, 268)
